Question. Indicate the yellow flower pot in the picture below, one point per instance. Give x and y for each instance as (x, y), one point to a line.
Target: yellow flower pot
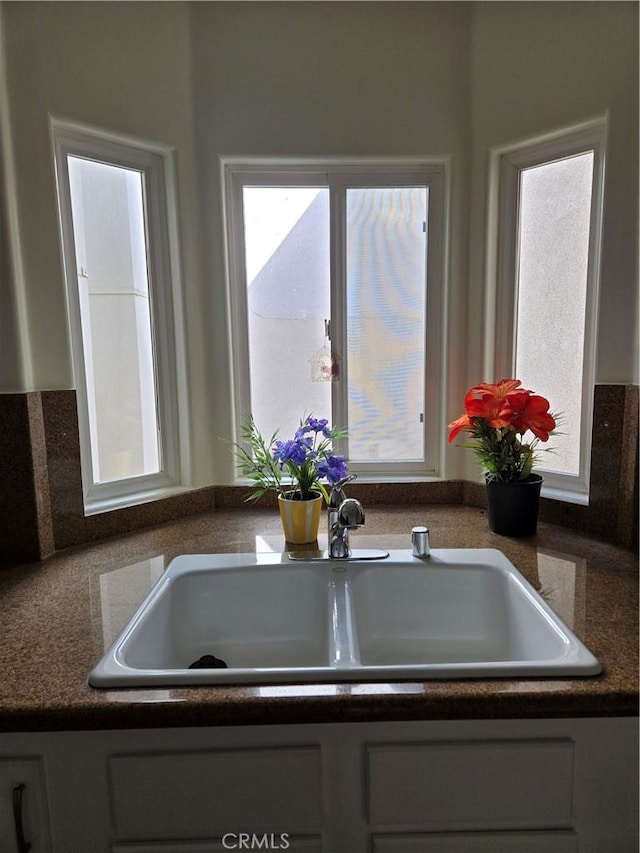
(300, 519)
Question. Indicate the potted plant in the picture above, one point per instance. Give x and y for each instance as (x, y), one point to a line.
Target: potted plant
(498, 417)
(295, 469)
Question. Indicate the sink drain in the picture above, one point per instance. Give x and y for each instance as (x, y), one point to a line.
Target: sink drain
(208, 662)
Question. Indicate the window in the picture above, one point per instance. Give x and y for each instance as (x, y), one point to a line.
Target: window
(336, 305)
(117, 244)
(550, 223)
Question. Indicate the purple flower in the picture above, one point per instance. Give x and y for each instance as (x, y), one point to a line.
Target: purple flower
(334, 468)
(315, 425)
(304, 440)
(294, 451)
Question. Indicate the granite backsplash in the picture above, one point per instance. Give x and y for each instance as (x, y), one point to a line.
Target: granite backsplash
(41, 488)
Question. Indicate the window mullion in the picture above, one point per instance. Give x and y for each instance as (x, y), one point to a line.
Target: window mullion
(339, 305)
(506, 297)
(238, 322)
(591, 312)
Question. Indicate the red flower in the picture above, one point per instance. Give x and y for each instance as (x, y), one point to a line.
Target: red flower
(489, 407)
(458, 425)
(497, 416)
(528, 411)
(499, 391)
(488, 402)
(502, 405)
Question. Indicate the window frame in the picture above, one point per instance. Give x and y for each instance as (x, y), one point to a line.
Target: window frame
(508, 164)
(338, 176)
(156, 164)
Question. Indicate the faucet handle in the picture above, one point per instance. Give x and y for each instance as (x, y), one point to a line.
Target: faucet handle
(351, 514)
(345, 480)
(337, 495)
(420, 542)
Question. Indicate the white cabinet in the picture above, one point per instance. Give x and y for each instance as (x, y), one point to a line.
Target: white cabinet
(274, 793)
(493, 786)
(471, 784)
(485, 842)
(24, 822)
(230, 841)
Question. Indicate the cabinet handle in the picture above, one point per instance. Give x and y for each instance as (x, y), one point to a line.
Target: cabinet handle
(23, 845)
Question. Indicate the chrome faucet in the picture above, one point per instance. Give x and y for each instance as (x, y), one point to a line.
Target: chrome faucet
(343, 514)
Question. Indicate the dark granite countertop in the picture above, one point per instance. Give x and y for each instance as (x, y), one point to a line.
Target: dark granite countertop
(58, 617)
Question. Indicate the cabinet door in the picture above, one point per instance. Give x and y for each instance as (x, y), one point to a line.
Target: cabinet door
(231, 842)
(471, 785)
(24, 823)
(203, 795)
(485, 842)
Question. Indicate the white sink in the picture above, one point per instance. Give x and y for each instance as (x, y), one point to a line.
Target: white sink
(461, 613)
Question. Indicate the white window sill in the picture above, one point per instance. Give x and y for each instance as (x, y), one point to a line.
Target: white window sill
(565, 495)
(103, 505)
(398, 478)
(95, 507)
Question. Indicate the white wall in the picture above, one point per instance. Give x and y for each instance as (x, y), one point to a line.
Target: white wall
(315, 78)
(536, 67)
(329, 79)
(12, 346)
(121, 66)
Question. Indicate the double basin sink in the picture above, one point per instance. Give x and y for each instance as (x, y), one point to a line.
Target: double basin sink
(261, 618)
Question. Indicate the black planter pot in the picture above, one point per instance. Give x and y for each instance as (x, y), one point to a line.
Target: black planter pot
(513, 507)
